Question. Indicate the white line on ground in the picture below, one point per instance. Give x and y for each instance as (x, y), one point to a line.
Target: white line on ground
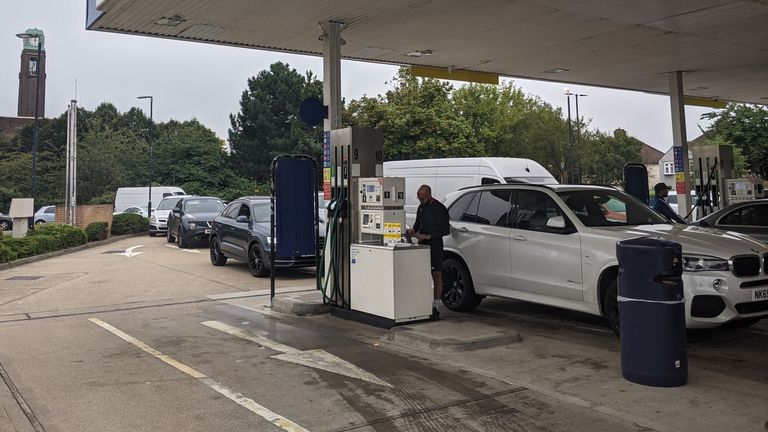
(234, 396)
(183, 250)
(130, 252)
(317, 358)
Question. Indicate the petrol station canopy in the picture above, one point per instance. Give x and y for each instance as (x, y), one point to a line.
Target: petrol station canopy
(720, 45)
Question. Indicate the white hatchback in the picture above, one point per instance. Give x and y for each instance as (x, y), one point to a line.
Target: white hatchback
(556, 245)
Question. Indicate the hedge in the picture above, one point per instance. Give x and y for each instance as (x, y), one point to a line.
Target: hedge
(44, 239)
(96, 231)
(129, 223)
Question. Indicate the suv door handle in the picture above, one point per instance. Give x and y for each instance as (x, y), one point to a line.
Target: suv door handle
(519, 238)
(463, 229)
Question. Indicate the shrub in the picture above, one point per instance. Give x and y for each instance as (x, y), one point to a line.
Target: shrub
(44, 239)
(68, 236)
(7, 253)
(129, 223)
(96, 231)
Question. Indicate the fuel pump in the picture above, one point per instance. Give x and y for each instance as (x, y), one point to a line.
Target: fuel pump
(370, 274)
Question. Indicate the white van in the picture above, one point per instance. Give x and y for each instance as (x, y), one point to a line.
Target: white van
(139, 196)
(451, 174)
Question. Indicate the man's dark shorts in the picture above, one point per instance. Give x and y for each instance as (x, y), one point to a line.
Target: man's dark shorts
(436, 255)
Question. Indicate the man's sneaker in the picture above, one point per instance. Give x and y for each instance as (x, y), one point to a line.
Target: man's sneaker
(435, 314)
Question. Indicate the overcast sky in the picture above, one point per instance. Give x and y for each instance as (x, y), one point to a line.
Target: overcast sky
(205, 81)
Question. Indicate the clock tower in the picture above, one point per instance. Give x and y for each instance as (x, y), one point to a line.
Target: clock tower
(32, 70)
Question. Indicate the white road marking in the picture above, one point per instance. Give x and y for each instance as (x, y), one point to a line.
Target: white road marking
(183, 250)
(318, 359)
(234, 396)
(130, 252)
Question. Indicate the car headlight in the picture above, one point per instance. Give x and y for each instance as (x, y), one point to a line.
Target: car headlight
(692, 263)
(192, 225)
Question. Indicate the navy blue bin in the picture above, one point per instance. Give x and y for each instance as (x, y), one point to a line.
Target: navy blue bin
(652, 312)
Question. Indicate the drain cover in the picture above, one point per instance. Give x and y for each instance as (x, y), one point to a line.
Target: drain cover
(25, 278)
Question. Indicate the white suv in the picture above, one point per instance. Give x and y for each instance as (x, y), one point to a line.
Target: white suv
(556, 245)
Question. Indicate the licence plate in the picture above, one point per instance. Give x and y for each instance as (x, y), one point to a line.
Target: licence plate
(760, 294)
(207, 231)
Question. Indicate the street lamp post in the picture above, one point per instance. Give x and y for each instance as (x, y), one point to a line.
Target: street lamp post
(570, 135)
(151, 139)
(39, 44)
(568, 95)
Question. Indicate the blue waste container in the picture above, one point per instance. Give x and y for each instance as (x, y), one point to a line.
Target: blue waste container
(652, 312)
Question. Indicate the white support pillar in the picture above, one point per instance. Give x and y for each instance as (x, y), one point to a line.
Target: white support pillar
(680, 143)
(332, 73)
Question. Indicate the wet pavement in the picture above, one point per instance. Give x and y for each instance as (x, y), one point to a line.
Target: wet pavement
(163, 341)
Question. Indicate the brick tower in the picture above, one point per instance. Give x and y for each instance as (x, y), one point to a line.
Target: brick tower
(32, 69)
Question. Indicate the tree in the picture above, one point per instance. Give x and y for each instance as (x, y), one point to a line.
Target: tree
(604, 156)
(268, 123)
(418, 120)
(746, 128)
(194, 159)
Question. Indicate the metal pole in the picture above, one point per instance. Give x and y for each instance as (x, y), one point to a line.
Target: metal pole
(151, 144)
(570, 139)
(332, 73)
(68, 174)
(680, 142)
(73, 183)
(37, 111)
(151, 140)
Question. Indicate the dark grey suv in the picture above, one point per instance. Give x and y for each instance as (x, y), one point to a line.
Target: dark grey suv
(191, 217)
(242, 232)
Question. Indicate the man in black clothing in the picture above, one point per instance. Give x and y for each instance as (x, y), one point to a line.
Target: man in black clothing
(430, 227)
(661, 206)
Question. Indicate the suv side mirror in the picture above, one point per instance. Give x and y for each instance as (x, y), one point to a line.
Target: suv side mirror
(556, 223)
(242, 219)
(177, 210)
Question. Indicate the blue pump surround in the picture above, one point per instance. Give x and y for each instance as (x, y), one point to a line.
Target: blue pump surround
(295, 214)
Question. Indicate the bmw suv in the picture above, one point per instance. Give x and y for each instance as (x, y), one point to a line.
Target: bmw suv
(556, 245)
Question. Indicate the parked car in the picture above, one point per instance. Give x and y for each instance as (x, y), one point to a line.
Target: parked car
(6, 223)
(749, 217)
(555, 245)
(135, 210)
(158, 221)
(46, 214)
(242, 232)
(190, 219)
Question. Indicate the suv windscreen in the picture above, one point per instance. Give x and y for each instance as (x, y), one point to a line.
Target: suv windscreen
(167, 204)
(598, 208)
(203, 206)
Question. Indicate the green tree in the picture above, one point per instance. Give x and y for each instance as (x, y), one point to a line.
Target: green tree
(746, 128)
(194, 159)
(603, 156)
(268, 123)
(418, 120)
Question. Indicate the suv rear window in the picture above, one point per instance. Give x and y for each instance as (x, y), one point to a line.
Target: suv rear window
(459, 206)
(494, 207)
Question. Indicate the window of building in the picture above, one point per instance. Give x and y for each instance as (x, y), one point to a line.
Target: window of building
(669, 168)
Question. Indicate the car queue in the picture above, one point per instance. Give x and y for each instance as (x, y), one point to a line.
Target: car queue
(547, 244)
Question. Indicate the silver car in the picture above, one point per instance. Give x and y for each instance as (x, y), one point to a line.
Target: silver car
(46, 214)
(749, 217)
